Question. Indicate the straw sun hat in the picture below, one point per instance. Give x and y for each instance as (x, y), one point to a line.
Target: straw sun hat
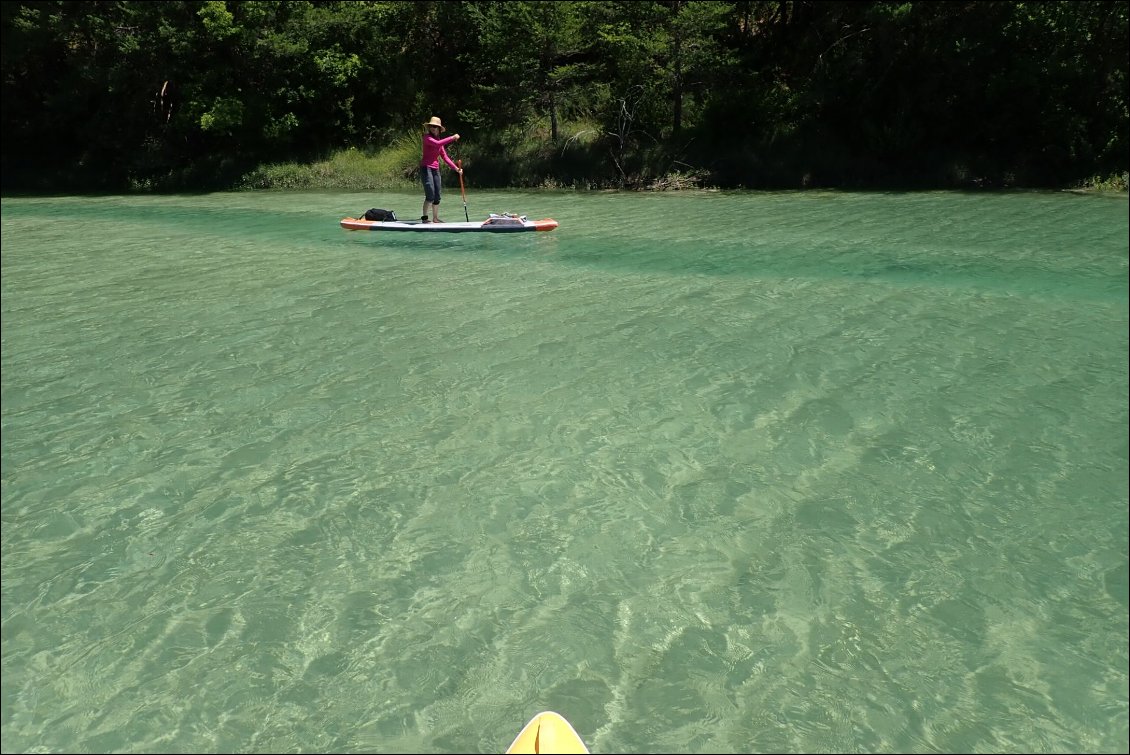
(435, 121)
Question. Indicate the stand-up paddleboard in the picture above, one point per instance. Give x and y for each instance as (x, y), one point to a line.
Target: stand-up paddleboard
(493, 224)
(547, 732)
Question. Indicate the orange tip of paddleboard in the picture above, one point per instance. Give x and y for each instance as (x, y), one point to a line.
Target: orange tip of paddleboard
(547, 732)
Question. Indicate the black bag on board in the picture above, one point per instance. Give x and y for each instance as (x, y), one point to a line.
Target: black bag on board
(380, 215)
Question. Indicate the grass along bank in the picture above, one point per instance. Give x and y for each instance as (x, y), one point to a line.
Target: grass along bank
(524, 156)
(521, 157)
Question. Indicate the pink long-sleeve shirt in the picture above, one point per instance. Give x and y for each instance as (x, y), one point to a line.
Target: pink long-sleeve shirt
(433, 151)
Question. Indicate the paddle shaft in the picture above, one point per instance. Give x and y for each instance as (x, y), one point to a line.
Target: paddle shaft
(463, 191)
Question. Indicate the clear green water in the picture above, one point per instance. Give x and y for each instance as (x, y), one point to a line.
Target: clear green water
(703, 472)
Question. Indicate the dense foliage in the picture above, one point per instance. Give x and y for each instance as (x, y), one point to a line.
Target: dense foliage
(118, 94)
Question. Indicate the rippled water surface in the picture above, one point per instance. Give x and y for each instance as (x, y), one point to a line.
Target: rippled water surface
(706, 472)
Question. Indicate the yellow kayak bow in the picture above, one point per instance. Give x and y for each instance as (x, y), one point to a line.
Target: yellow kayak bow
(547, 732)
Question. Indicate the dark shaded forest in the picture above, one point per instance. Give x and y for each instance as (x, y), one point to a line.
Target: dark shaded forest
(185, 95)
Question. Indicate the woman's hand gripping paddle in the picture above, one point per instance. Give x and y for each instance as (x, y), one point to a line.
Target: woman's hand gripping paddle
(463, 191)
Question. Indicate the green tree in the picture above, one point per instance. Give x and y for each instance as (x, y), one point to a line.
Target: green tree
(531, 62)
(114, 93)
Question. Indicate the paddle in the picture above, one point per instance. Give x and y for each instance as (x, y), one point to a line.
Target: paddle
(463, 191)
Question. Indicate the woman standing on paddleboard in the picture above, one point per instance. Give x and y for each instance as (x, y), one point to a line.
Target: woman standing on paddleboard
(429, 166)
